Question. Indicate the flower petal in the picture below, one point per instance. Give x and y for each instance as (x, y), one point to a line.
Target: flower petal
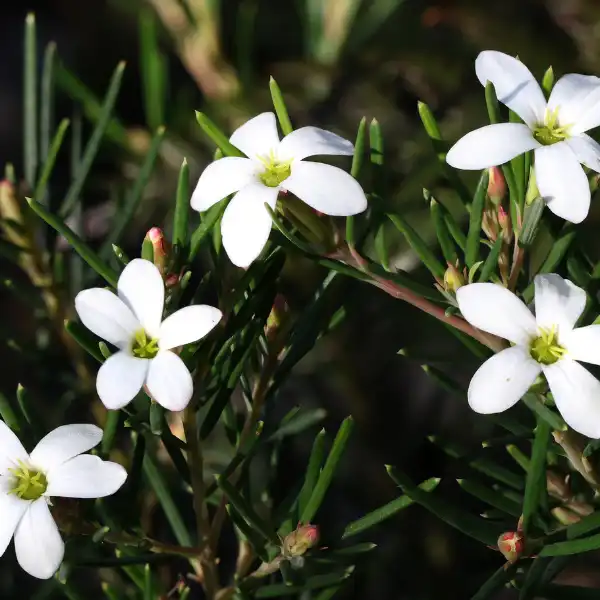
(246, 224)
(106, 315)
(515, 86)
(576, 393)
(188, 325)
(12, 509)
(221, 178)
(557, 302)
(502, 380)
(562, 182)
(586, 150)
(11, 449)
(577, 98)
(492, 308)
(85, 476)
(169, 381)
(312, 141)
(258, 136)
(38, 544)
(141, 287)
(326, 189)
(64, 443)
(120, 378)
(583, 344)
(491, 146)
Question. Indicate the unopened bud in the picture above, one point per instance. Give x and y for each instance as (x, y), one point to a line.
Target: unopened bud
(298, 542)
(511, 544)
(505, 224)
(496, 185)
(160, 247)
(453, 278)
(276, 316)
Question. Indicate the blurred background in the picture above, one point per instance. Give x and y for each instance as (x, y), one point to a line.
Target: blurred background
(336, 61)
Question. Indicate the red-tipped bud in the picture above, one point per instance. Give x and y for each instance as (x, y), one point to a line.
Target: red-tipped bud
(505, 224)
(511, 544)
(301, 540)
(160, 247)
(496, 185)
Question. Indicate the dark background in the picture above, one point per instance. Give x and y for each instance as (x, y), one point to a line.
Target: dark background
(421, 51)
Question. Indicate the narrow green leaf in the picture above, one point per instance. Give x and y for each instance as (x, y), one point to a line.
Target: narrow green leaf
(531, 221)
(376, 155)
(24, 401)
(47, 102)
(40, 189)
(576, 546)
(532, 579)
(110, 431)
(217, 136)
(153, 70)
(554, 420)
(587, 524)
(157, 418)
(313, 470)
(491, 102)
(419, 246)
(8, 414)
(93, 144)
(149, 593)
(490, 497)
(209, 219)
(312, 583)
(518, 457)
(429, 122)
(495, 583)
(88, 255)
(358, 157)
(84, 338)
(298, 422)
(120, 254)
(247, 531)
(491, 262)
(30, 145)
(548, 81)
(182, 207)
(106, 353)
(477, 208)
(381, 248)
(443, 235)
(535, 486)
(385, 512)
(333, 459)
(280, 108)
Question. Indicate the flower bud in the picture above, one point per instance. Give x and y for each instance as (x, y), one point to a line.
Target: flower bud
(301, 540)
(160, 246)
(453, 278)
(496, 185)
(505, 224)
(511, 544)
(276, 316)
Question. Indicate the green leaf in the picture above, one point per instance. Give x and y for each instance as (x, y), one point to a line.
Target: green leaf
(496, 582)
(477, 208)
(157, 417)
(587, 524)
(280, 108)
(576, 546)
(531, 221)
(532, 580)
(217, 136)
(315, 582)
(147, 251)
(313, 470)
(247, 531)
(358, 160)
(491, 497)
(329, 469)
(47, 102)
(182, 207)
(535, 485)
(491, 262)
(385, 512)
(88, 255)
(24, 401)
(535, 404)
(548, 81)
(30, 142)
(57, 140)
(376, 155)
(209, 219)
(8, 414)
(301, 419)
(91, 148)
(443, 235)
(110, 431)
(491, 102)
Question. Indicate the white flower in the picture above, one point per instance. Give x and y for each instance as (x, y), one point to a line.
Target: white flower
(132, 321)
(56, 467)
(548, 343)
(555, 130)
(273, 166)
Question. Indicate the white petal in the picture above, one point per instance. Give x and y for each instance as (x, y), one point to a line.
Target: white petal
(12, 509)
(326, 189)
(312, 141)
(577, 98)
(557, 302)
(491, 146)
(577, 395)
(246, 224)
(258, 136)
(85, 476)
(492, 308)
(141, 287)
(64, 443)
(120, 378)
(562, 182)
(515, 86)
(106, 315)
(221, 178)
(188, 325)
(584, 344)
(11, 449)
(169, 381)
(586, 150)
(502, 380)
(38, 544)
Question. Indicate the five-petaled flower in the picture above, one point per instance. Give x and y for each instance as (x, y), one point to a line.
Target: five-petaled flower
(555, 130)
(274, 166)
(132, 321)
(548, 343)
(56, 467)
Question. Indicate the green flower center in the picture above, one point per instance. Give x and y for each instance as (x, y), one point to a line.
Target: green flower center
(144, 346)
(550, 132)
(545, 349)
(28, 483)
(275, 171)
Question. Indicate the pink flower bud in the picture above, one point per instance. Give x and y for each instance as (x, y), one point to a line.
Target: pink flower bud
(496, 185)
(511, 544)
(301, 540)
(160, 247)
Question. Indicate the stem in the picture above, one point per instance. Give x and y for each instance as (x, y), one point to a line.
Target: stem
(517, 264)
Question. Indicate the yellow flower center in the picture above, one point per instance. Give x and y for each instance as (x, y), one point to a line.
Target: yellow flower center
(545, 349)
(550, 132)
(275, 171)
(28, 483)
(144, 346)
